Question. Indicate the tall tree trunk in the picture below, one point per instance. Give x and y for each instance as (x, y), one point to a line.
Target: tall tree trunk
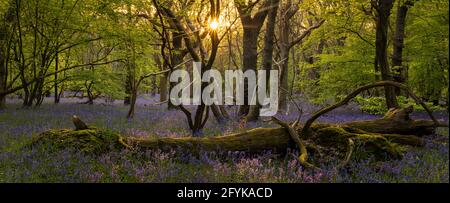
(399, 35)
(284, 63)
(250, 57)
(253, 113)
(384, 10)
(251, 27)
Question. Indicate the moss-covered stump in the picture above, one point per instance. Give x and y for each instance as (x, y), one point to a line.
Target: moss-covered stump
(90, 140)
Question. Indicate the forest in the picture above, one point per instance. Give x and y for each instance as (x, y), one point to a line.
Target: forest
(358, 90)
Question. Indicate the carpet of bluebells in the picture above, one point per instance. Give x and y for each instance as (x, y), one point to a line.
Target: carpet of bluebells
(19, 164)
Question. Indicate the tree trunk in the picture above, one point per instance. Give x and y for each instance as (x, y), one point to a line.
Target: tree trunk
(3, 74)
(284, 64)
(399, 35)
(251, 28)
(253, 114)
(176, 59)
(218, 114)
(384, 10)
(56, 78)
(132, 103)
(163, 94)
(250, 58)
(128, 88)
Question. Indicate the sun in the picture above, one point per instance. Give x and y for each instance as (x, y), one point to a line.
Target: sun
(214, 25)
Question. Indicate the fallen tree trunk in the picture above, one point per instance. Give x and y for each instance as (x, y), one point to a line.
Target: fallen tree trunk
(398, 117)
(253, 141)
(382, 137)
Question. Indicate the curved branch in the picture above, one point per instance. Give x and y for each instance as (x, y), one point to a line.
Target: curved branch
(348, 155)
(303, 158)
(352, 95)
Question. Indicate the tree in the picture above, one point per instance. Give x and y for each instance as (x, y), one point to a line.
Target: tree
(251, 26)
(400, 72)
(383, 11)
(267, 58)
(286, 42)
(38, 33)
(199, 119)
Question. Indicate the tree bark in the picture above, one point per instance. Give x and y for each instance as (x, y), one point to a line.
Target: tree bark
(253, 113)
(400, 72)
(251, 27)
(250, 57)
(176, 59)
(284, 64)
(163, 93)
(383, 8)
(56, 77)
(3, 71)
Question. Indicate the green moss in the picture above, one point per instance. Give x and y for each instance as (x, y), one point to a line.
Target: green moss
(336, 137)
(91, 140)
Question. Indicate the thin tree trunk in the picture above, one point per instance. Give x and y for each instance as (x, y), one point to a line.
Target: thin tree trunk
(284, 63)
(132, 103)
(56, 78)
(217, 113)
(3, 71)
(128, 89)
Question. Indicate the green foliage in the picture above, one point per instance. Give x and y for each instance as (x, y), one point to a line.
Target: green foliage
(87, 141)
(377, 105)
(426, 47)
(372, 105)
(346, 59)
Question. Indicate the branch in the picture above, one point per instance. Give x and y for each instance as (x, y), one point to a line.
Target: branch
(306, 33)
(355, 93)
(359, 36)
(303, 158)
(24, 84)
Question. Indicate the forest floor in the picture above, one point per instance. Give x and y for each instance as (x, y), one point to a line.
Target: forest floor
(19, 164)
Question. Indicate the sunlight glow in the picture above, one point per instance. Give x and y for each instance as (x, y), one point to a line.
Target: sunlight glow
(214, 25)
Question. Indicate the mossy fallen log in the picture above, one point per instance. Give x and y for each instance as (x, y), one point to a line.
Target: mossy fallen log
(397, 121)
(384, 137)
(253, 141)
